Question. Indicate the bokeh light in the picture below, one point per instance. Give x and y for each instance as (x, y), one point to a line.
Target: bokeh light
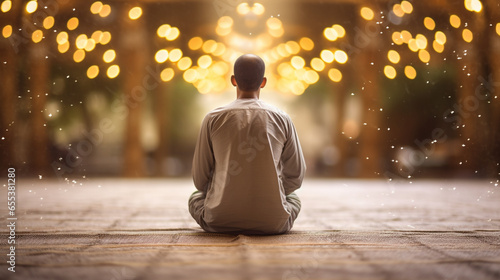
(412, 45)
(410, 72)
(96, 7)
(339, 29)
(7, 31)
(439, 48)
(455, 21)
(389, 72)
(175, 54)
(195, 43)
(72, 23)
(330, 34)
(105, 11)
(48, 22)
(81, 41)
(184, 63)
(209, 46)
(113, 71)
(275, 27)
(407, 7)
(306, 43)
(421, 41)
(190, 75)
(161, 56)
(37, 36)
(293, 47)
(204, 61)
(243, 8)
(367, 13)
(172, 34)
(335, 75)
(473, 5)
(109, 56)
(6, 6)
(64, 47)
(440, 37)
(467, 35)
(406, 36)
(92, 71)
(79, 56)
(62, 37)
(429, 23)
(274, 23)
(317, 64)
(167, 74)
(163, 30)
(225, 22)
(97, 35)
(135, 13)
(90, 45)
(311, 77)
(105, 38)
(397, 38)
(340, 56)
(424, 56)
(327, 56)
(298, 62)
(31, 6)
(393, 56)
(398, 10)
(258, 9)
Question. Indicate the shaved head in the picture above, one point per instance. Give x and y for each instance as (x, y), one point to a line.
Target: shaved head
(249, 72)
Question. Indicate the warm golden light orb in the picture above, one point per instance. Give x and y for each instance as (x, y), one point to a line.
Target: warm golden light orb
(135, 13)
(367, 13)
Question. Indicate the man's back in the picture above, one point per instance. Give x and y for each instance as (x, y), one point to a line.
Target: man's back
(247, 160)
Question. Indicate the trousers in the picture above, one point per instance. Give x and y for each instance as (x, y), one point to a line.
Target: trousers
(196, 205)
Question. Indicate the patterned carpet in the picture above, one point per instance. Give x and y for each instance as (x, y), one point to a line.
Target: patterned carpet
(348, 229)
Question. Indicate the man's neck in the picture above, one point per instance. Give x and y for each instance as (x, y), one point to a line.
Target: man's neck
(247, 94)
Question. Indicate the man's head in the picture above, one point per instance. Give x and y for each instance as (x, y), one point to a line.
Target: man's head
(249, 72)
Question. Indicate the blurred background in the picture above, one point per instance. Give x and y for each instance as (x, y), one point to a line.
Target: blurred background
(376, 89)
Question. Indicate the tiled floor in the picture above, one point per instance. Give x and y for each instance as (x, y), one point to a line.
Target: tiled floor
(348, 229)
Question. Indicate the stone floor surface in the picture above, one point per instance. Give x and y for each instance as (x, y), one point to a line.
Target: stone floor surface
(348, 229)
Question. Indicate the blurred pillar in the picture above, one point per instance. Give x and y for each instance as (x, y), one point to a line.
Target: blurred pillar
(341, 142)
(133, 57)
(8, 80)
(367, 64)
(38, 71)
(492, 11)
(369, 143)
(162, 102)
(471, 117)
(9, 70)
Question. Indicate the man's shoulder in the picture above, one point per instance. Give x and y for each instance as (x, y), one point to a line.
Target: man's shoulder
(248, 105)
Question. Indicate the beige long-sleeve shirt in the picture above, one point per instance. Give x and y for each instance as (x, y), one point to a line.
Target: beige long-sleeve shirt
(247, 159)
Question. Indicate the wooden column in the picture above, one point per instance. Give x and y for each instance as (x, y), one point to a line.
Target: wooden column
(368, 65)
(8, 112)
(38, 71)
(341, 142)
(492, 50)
(472, 110)
(9, 80)
(133, 62)
(162, 102)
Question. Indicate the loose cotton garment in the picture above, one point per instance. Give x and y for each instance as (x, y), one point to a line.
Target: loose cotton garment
(247, 164)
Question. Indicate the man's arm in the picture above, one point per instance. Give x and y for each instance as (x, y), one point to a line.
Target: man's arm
(293, 163)
(203, 160)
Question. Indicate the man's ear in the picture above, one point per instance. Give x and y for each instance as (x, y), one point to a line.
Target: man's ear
(264, 82)
(233, 81)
